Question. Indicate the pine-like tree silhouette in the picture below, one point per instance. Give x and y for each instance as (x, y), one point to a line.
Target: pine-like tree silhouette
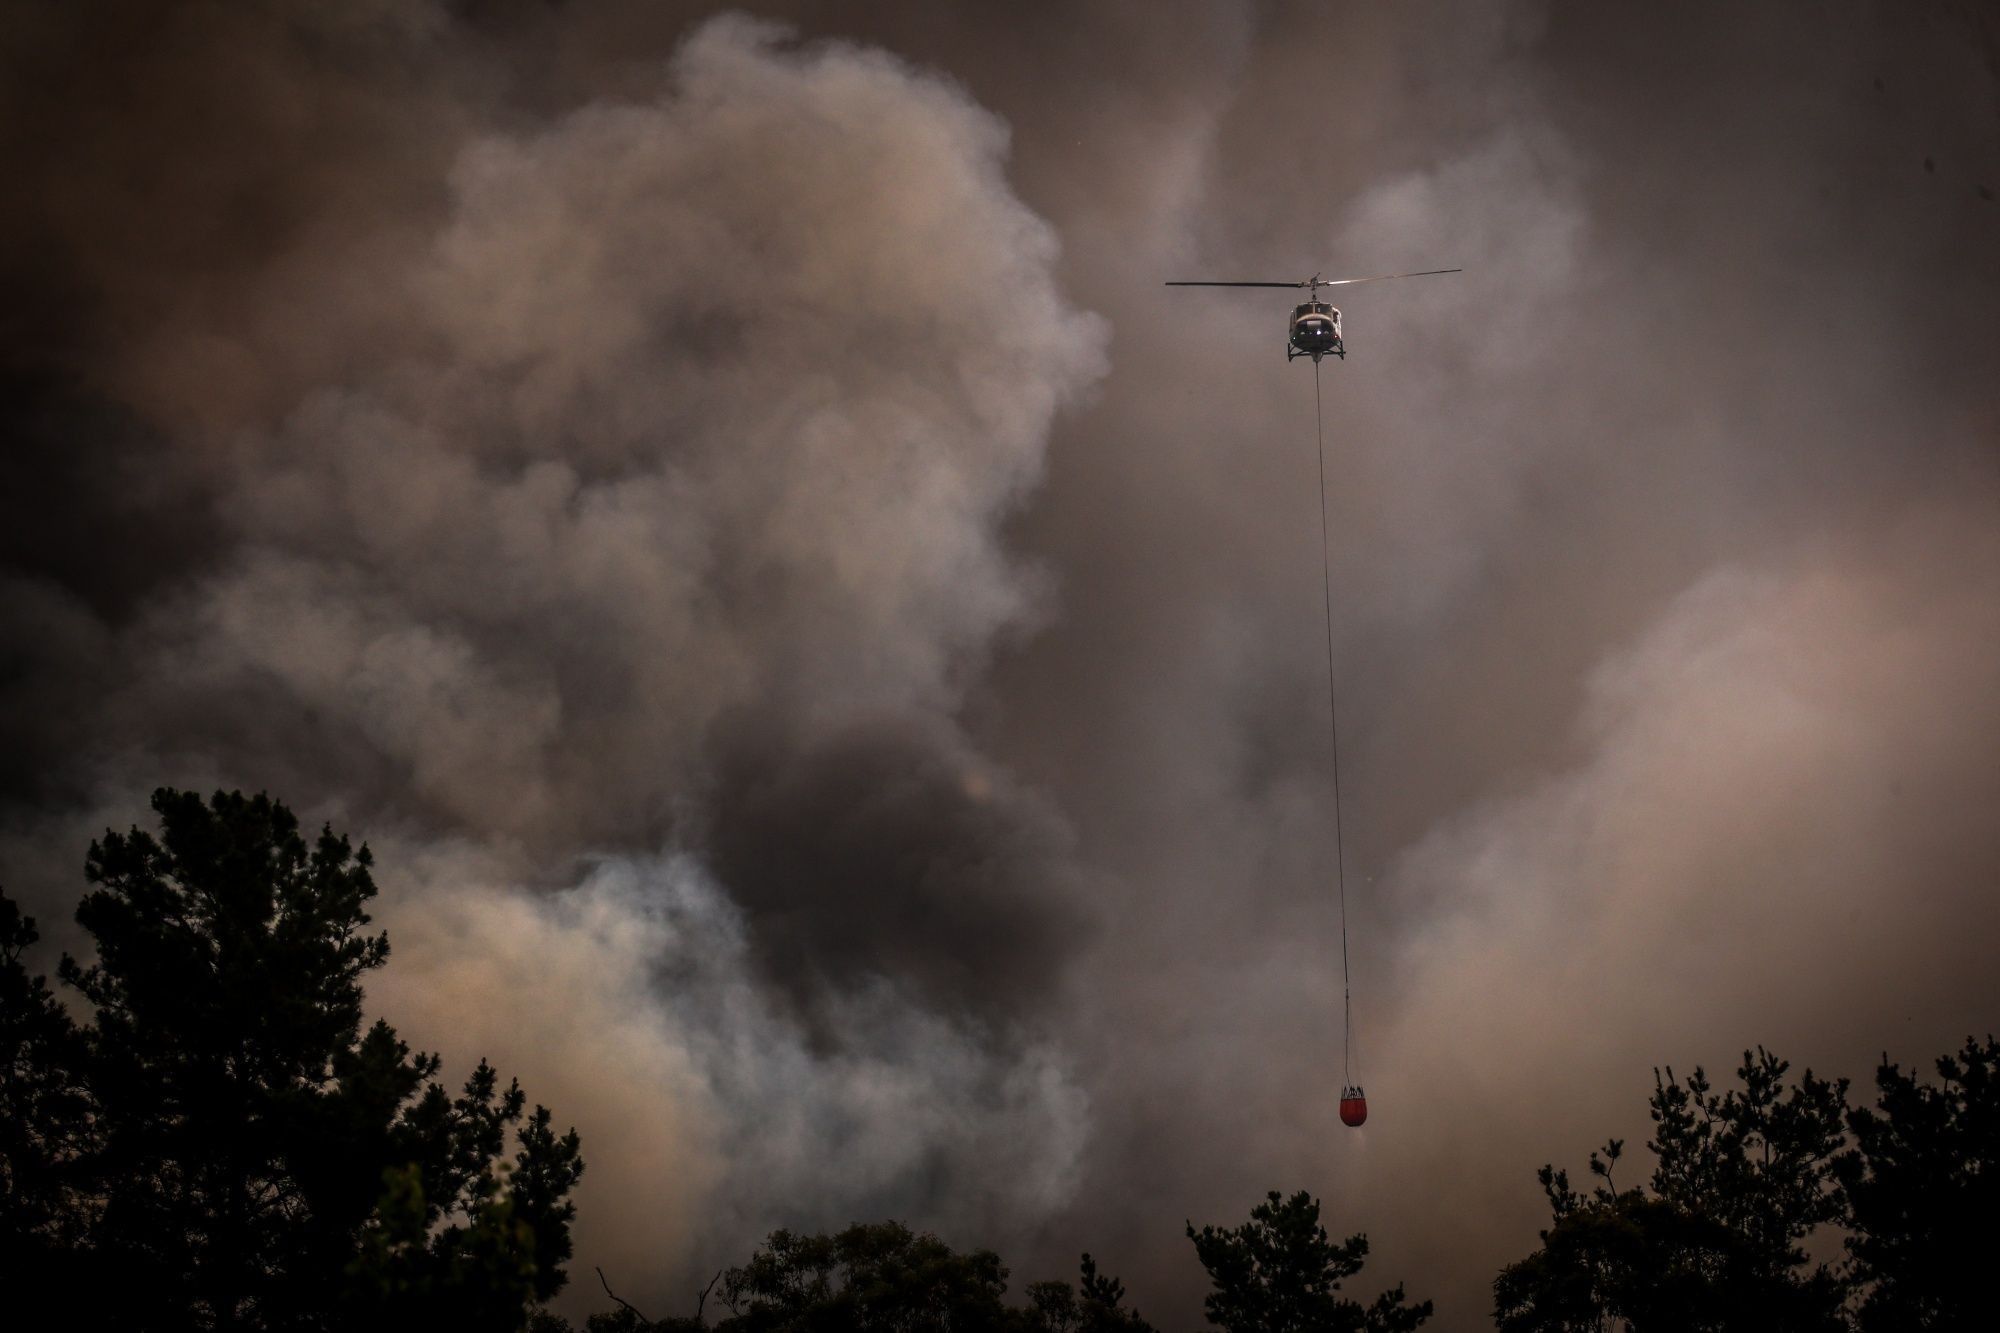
(1741, 1179)
(1280, 1273)
(1923, 1185)
(1095, 1305)
(44, 1119)
(246, 1158)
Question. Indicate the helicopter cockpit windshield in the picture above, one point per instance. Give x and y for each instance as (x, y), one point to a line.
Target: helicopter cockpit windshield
(1315, 331)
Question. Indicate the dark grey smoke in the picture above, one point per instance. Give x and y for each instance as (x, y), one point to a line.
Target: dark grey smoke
(885, 851)
(844, 722)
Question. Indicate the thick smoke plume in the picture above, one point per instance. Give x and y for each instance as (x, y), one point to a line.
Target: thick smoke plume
(828, 651)
(667, 518)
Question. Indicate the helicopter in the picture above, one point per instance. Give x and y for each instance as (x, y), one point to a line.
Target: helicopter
(1315, 326)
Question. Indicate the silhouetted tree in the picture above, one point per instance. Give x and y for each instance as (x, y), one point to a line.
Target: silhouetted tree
(877, 1275)
(881, 1276)
(1923, 1184)
(1280, 1273)
(251, 1160)
(44, 1117)
(1095, 1305)
(475, 1254)
(1741, 1179)
(629, 1321)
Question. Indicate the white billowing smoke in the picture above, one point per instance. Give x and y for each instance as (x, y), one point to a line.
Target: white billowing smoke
(709, 1113)
(706, 405)
(1753, 777)
(707, 409)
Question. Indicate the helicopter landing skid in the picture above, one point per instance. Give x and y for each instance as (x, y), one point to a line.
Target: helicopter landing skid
(1338, 349)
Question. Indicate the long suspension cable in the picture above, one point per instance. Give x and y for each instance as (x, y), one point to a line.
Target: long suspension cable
(1333, 732)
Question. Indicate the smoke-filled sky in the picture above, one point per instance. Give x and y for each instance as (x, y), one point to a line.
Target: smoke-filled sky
(828, 651)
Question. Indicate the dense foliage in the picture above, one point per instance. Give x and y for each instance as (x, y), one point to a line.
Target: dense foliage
(1737, 1228)
(45, 1116)
(1281, 1273)
(1277, 1272)
(883, 1276)
(221, 1146)
(1922, 1185)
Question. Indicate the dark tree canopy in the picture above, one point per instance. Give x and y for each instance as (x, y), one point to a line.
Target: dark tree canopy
(1281, 1273)
(1923, 1185)
(882, 1276)
(1741, 1178)
(248, 1158)
(1744, 1180)
(874, 1276)
(1095, 1305)
(44, 1116)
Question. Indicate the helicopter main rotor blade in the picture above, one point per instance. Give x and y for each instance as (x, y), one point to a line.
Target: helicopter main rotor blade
(1318, 282)
(1382, 277)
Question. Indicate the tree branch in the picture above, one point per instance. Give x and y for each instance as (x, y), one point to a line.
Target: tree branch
(703, 1298)
(616, 1297)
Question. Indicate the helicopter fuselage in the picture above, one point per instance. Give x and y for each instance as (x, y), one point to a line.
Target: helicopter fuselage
(1315, 332)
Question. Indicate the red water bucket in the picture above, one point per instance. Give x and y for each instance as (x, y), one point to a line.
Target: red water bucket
(1353, 1108)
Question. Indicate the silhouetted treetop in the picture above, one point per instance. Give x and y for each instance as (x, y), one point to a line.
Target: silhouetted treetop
(1740, 1178)
(45, 1116)
(1281, 1273)
(245, 1157)
(1745, 1179)
(1923, 1185)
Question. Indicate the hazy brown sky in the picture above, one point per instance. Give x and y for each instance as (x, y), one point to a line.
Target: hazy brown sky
(828, 650)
